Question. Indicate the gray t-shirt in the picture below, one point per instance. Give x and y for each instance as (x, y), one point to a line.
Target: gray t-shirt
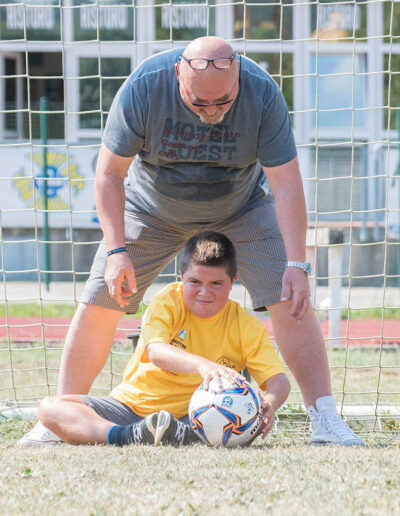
(188, 172)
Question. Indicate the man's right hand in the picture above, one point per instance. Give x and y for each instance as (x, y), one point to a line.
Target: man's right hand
(119, 269)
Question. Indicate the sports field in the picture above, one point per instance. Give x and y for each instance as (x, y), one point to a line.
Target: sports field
(275, 477)
(281, 475)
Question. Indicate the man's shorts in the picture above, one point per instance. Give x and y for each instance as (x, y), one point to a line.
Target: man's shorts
(112, 410)
(153, 243)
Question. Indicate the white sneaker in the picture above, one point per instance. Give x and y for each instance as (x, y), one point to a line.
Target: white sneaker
(39, 436)
(328, 427)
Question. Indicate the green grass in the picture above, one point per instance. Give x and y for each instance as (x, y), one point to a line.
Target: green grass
(371, 313)
(38, 310)
(359, 376)
(273, 477)
(282, 475)
(51, 309)
(44, 309)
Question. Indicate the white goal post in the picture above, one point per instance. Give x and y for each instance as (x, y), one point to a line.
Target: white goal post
(338, 65)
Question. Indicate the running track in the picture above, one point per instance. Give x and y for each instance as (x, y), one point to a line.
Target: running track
(30, 329)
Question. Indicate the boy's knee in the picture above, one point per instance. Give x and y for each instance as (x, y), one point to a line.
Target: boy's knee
(50, 407)
(47, 408)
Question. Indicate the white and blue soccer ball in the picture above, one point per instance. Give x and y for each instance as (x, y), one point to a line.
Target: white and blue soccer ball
(228, 417)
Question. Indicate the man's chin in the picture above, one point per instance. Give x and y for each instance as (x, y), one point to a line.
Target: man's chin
(212, 120)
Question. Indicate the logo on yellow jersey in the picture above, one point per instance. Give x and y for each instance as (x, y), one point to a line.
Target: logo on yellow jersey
(178, 340)
(224, 361)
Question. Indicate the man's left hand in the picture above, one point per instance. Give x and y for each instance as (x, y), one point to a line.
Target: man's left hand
(295, 284)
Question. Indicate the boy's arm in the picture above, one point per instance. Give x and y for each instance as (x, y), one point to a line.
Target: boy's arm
(278, 388)
(171, 358)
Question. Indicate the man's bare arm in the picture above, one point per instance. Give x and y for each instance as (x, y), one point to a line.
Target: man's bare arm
(287, 186)
(110, 203)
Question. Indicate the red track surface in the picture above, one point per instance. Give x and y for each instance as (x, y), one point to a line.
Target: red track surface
(31, 329)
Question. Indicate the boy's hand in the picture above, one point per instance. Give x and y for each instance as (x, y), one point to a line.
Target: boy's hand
(268, 417)
(212, 371)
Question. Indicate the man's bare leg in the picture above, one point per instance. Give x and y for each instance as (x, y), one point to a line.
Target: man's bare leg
(303, 349)
(87, 346)
(73, 421)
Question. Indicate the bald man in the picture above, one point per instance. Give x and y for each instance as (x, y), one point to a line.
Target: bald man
(200, 138)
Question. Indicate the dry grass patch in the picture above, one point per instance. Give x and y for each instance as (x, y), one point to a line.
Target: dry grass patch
(278, 479)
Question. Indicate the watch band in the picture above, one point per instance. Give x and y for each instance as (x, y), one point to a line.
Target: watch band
(304, 266)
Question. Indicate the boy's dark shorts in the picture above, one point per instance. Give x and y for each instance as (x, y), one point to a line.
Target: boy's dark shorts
(112, 410)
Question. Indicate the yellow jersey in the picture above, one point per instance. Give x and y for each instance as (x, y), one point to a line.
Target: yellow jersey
(232, 337)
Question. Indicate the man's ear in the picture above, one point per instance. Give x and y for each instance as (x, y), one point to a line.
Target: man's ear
(181, 275)
(234, 278)
(177, 69)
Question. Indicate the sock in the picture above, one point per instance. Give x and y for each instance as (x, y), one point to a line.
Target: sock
(325, 403)
(120, 435)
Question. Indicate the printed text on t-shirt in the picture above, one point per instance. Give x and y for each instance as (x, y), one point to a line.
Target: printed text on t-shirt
(186, 141)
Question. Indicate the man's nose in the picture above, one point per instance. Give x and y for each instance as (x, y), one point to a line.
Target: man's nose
(211, 110)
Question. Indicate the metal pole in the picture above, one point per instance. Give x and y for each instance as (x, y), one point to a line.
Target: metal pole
(336, 238)
(43, 136)
(398, 188)
(364, 194)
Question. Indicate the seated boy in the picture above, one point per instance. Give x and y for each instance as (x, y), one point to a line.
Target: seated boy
(191, 332)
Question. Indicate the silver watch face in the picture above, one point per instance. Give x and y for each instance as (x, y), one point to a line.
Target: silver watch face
(304, 266)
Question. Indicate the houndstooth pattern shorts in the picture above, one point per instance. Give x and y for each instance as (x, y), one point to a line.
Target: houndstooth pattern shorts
(153, 243)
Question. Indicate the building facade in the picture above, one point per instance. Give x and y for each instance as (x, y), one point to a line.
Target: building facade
(337, 63)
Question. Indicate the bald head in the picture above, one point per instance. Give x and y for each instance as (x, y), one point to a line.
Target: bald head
(208, 47)
(211, 85)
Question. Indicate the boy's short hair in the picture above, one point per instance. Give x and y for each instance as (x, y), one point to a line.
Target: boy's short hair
(211, 249)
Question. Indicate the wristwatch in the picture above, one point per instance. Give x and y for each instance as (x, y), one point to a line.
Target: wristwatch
(304, 266)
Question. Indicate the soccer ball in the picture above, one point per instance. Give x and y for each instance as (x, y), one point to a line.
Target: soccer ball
(229, 417)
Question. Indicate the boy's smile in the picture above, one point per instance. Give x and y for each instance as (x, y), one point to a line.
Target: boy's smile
(206, 289)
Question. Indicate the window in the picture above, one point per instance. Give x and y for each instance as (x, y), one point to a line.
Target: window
(338, 189)
(391, 16)
(41, 66)
(392, 80)
(183, 22)
(40, 17)
(334, 90)
(111, 18)
(109, 77)
(264, 21)
(333, 20)
(10, 122)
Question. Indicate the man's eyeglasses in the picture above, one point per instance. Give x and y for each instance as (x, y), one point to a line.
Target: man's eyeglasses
(198, 104)
(213, 104)
(220, 63)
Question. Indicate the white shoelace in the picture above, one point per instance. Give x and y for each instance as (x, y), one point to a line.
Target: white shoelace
(48, 435)
(180, 432)
(137, 432)
(331, 422)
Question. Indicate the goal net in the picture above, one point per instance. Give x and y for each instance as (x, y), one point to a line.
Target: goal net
(338, 65)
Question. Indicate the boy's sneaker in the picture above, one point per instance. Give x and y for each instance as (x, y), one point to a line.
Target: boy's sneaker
(39, 436)
(172, 431)
(328, 427)
(144, 432)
